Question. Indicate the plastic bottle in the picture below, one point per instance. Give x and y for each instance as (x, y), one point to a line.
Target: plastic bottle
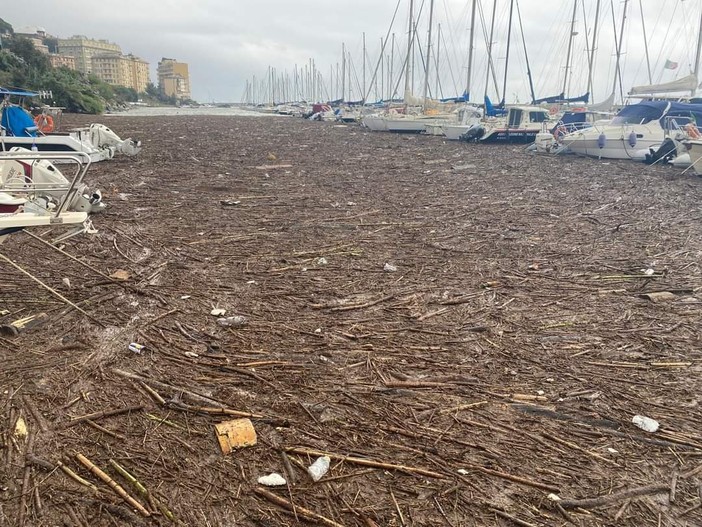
(645, 423)
(319, 468)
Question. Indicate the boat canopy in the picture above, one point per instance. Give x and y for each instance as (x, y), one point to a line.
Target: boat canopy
(18, 122)
(461, 98)
(647, 111)
(19, 93)
(560, 98)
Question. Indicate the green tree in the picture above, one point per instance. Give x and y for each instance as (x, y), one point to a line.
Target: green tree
(6, 27)
(152, 90)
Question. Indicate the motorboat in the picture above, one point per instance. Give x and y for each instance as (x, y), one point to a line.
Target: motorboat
(634, 131)
(467, 118)
(19, 129)
(34, 192)
(550, 140)
(519, 125)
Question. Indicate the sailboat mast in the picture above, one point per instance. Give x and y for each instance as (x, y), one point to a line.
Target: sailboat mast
(364, 68)
(343, 72)
(570, 48)
(470, 49)
(408, 65)
(526, 54)
(438, 52)
(427, 62)
(509, 39)
(592, 50)
(392, 64)
(643, 25)
(618, 43)
(698, 56)
(491, 65)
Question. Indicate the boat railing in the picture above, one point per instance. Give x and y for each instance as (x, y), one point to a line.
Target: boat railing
(80, 159)
(681, 127)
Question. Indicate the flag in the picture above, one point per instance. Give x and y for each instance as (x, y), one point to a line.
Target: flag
(670, 65)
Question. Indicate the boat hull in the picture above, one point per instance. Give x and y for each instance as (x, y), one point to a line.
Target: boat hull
(374, 123)
(405, 126)
(53, 143)
(510, 135)
(696, 156)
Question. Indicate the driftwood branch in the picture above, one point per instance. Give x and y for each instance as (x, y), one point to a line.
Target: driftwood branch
(300, 511)
(609, 499)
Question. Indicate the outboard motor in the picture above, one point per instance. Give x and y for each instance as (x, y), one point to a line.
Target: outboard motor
(474, 133)
(104, 138)
(48, 182)
(665, 153)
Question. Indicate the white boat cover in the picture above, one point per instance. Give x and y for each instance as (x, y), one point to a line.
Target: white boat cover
(687, 83)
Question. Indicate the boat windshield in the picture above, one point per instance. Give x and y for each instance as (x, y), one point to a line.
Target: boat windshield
(638, 114)
(538, 117)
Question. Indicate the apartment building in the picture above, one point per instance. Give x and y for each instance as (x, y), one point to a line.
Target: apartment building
(173, 78)
(65, 61)
(121, 70)
(84, 48)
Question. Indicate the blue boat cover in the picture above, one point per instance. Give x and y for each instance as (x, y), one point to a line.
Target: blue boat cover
(560, 98)
(18, 122)
(493, 111)
(647, 111)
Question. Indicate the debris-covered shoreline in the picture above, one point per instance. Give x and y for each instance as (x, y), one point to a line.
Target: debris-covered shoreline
(465, 331)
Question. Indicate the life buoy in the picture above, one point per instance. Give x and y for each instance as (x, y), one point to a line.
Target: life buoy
(45, 123)
(692, 131)
(553, 110)
(560, 131)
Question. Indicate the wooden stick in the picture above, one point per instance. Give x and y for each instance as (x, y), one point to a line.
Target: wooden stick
(105, 430)
(112, 484)
(35, 413)
(513, 519)
(216, 411)
(367, 462)
(302, 511)
(397, 508)
(362, 306)
(142, 490)
(81, 262)
(153, 393)
(609, 499)
(51, 467)
(103, 414)
(579, 448)
(26, 491)
(516, 479)
(52, 291)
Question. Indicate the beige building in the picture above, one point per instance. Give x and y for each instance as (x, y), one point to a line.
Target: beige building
(121, 70)
(83, 49)
(36, 36)
(58, 61)
(173, 78)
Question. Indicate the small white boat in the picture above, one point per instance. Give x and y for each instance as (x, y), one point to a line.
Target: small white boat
(467, 118)
(19, 130)
(633, 133)
(34, 192)
(520, 125)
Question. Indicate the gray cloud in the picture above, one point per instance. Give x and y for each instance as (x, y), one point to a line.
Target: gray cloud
(226, 42)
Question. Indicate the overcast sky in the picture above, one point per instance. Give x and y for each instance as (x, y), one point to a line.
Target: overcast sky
(226, 42)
